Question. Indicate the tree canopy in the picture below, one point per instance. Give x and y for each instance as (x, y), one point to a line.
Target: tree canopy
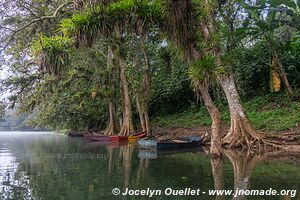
(112, 65)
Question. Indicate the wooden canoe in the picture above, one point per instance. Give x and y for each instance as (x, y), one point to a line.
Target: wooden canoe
(75, 134)
(98, 137)
(132, 138)
(176, 145)
(119, 138)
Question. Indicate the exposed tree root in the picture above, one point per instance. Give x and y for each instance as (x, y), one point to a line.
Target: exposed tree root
(262, 141)
(242, 134)
(127, 128)
(110, 130)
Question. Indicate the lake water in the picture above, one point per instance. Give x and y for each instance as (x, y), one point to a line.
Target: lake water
(50, 166)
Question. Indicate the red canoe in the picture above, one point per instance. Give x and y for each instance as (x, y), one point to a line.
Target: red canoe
(98, 137)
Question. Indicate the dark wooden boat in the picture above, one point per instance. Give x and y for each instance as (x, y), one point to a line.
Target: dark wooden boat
(98, 137)
(178, 143)
(75, 134)
(119, 138)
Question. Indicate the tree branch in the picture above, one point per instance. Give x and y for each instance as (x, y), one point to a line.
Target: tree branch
(11, 37)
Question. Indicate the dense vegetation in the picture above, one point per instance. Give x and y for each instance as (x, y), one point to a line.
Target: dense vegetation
(116, 65)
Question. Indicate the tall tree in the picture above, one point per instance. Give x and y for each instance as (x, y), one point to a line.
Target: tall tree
(241, 130)
(105, 21)
(182, 28)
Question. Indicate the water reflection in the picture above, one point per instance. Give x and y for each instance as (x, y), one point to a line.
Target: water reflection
(217, 171)
(244, 164)
(48, 166)
(14, 183)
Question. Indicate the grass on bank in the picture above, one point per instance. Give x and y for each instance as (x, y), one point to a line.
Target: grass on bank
(272, 112)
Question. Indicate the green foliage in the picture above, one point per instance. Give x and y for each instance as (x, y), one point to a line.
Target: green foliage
(69, 26)
(269, 112)
(72, 109)
(143, 9)
(203, 68)
(273, 112)
(252, 68)
(95, 20)
(79, 99)
(52, 53)
(83, 25)
(188, 119)
(171, 90)
(296, 41)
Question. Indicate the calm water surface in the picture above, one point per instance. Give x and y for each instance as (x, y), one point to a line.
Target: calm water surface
(50, 166)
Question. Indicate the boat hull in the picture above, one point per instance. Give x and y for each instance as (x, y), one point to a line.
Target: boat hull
(147, 144)
(98, 137)
(130, 138)
(170, 144)
(133, 138)
(117, 138)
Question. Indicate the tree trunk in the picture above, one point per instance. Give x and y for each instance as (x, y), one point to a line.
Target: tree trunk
(144, 117)
(112, 125)
(127, 122)
(141, 113)
(283, 75)
(241, 130)
(216, 147)
(111, 128)
(148, 124)
(147, 80)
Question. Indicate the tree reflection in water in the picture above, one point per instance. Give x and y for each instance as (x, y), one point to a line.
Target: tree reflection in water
(217, 171)
(244, 164)
(43, 174)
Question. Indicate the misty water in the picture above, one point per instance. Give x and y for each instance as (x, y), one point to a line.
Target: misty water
(50, 166)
